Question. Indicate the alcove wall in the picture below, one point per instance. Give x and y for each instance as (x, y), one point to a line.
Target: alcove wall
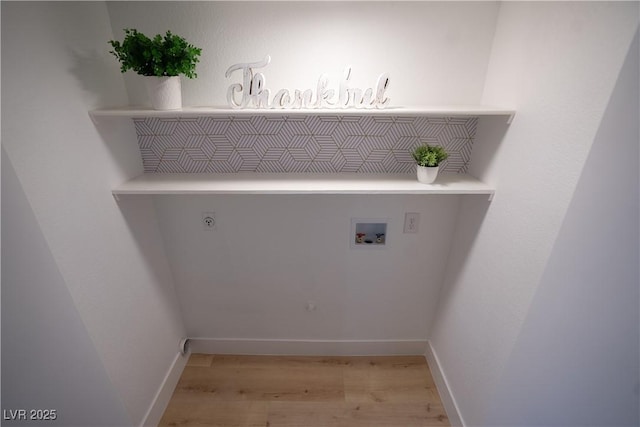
(251, 278)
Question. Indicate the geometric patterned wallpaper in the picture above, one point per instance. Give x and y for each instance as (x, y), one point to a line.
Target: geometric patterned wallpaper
(300, 143)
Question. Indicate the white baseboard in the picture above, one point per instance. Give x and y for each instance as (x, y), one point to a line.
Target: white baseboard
(307, 347)
(163, 395)
(448, 401)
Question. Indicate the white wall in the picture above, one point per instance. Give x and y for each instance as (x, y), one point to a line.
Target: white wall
(48, 358)
(252, 277)
(435, 52)
(557, 63)
(54, 69)
(578, 353)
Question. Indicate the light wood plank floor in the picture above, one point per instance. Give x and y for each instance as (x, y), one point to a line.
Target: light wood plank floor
(297, 391)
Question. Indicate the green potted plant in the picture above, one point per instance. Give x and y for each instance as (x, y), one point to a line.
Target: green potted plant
(162, 60)
(428, 159)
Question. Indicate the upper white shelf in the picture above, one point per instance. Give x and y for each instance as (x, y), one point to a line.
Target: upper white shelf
(441, 111)
(306, 183)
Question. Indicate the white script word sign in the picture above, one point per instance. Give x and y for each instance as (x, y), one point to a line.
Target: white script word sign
(252, 92)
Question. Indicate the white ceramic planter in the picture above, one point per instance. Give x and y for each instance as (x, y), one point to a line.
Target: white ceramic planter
(427, 175)
(165, 93)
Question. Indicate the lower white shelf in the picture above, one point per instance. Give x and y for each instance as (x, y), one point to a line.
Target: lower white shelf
(270, 183)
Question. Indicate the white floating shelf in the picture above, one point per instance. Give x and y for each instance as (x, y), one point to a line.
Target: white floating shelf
(340, 183)
(439, 111)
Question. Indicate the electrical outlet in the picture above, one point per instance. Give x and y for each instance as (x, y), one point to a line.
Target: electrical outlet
(411, 222)
(209, 220)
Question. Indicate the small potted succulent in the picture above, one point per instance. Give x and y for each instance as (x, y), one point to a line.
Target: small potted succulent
(162, 59)
(428, 159)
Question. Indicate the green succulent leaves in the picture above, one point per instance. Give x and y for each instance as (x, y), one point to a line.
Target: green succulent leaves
(429, 155)
(170, 55)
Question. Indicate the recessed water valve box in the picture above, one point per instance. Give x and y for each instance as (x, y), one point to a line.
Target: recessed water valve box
(370, 233)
